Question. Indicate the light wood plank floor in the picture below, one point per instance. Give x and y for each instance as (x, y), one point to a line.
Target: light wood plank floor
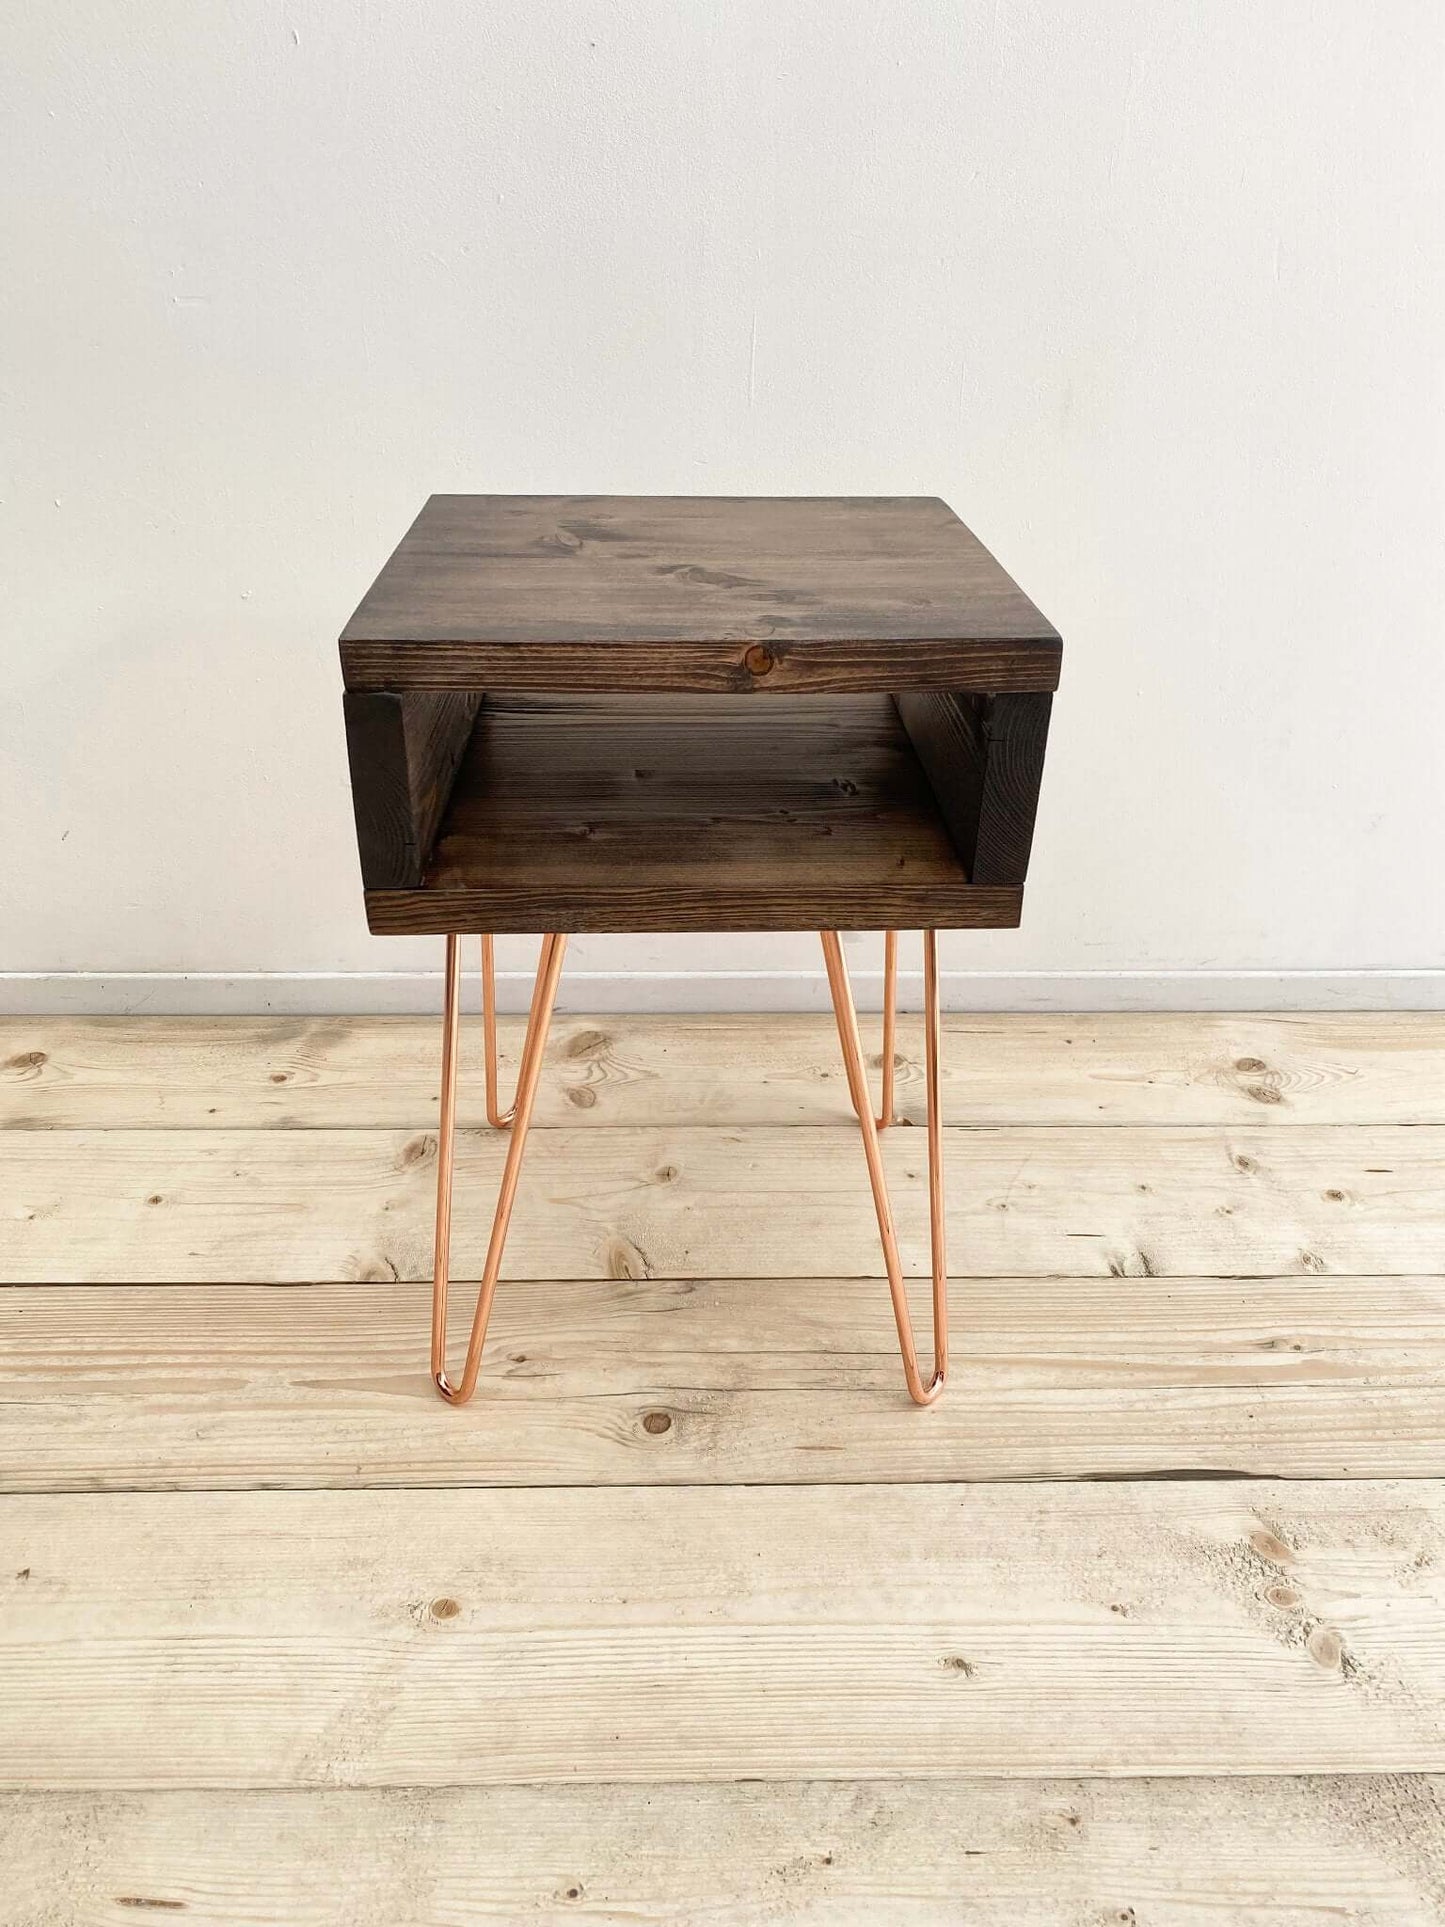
(691, 1617)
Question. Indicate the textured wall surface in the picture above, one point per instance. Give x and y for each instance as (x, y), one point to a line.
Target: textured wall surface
(1152, 294)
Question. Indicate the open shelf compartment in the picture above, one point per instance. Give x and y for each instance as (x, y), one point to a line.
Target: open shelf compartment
(680, 812)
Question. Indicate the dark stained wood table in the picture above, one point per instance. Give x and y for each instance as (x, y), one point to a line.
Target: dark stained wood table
(611, 713)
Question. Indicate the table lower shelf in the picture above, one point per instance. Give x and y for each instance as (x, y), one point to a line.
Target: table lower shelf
(604, 813)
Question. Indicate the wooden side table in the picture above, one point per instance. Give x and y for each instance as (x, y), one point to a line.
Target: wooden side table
(613, 713)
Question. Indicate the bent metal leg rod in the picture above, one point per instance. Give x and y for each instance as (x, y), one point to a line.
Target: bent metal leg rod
(890, 1025)
(852, 1047)
(544, 996)
(499, 1119)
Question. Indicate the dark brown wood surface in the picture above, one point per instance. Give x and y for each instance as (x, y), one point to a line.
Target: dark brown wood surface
(404, 751)
(721, 668)
(732, 594)
(691, 813)
(984, 756)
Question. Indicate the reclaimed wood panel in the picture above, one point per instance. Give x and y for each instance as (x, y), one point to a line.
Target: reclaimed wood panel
(404, 752)
(267, 1207)
(827, 667)
(984, 756)
(437, 1638)
(695, 592)
(711, 1381)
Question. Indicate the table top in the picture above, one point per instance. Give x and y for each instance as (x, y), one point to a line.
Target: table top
(569, 591)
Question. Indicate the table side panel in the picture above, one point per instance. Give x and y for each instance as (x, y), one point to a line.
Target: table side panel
(984, 756)
(404, 751)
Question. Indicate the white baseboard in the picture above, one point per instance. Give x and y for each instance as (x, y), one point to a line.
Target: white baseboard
(309, 993)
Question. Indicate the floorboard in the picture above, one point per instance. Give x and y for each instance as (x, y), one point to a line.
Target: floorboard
(433, 1638)
(270, 1207)
(708, 1381)
(1231, 1068)
(949, 1853)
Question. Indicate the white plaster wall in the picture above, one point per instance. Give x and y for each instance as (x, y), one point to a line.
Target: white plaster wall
(1151, 292)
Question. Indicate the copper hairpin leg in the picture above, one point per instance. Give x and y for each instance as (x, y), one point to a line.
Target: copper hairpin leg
(517, 1119)
(847, 1015)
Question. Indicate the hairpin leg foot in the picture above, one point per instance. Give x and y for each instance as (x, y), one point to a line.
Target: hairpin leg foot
(848, 1037)
(544, 996)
